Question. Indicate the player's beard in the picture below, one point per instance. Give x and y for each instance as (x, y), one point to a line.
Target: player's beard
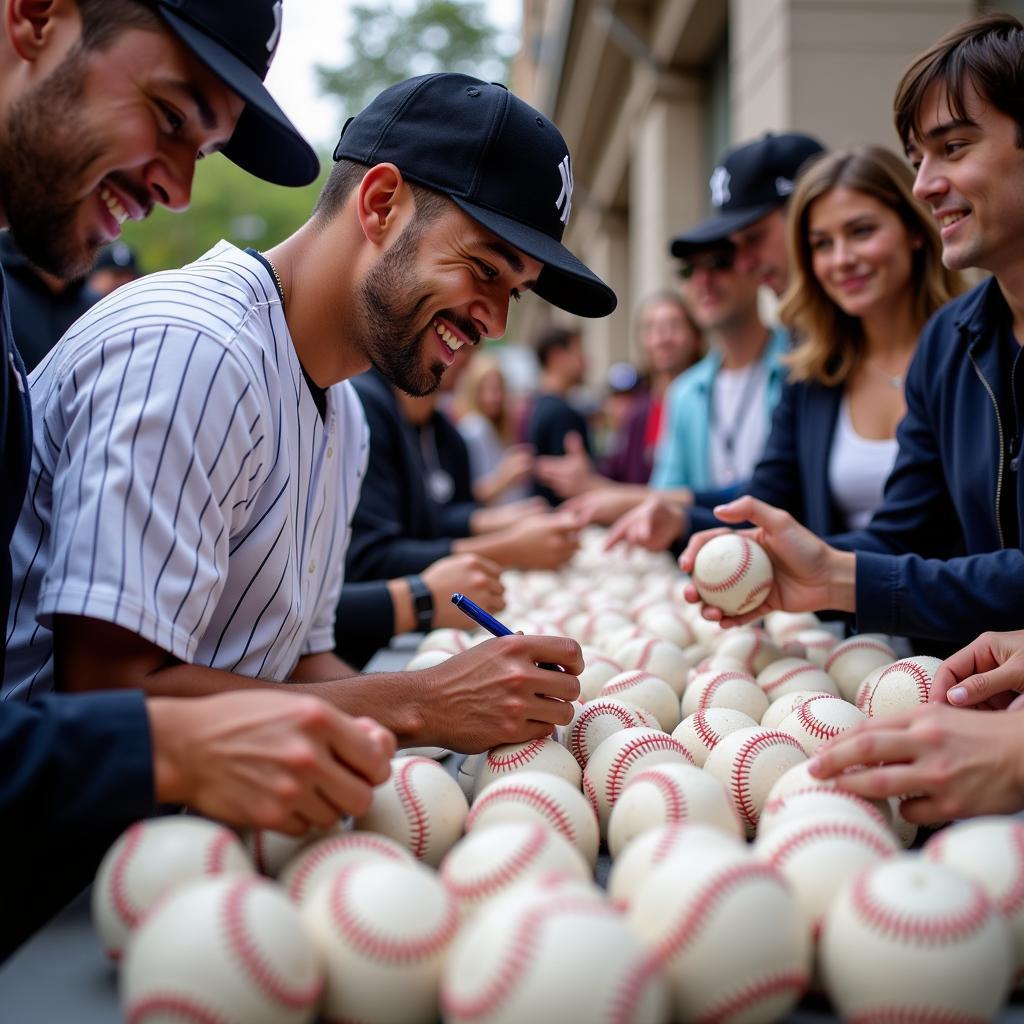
(45, 157)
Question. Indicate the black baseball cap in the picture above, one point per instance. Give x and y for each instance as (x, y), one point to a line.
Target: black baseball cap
(502, 162)
(750, 182)
(236, 40)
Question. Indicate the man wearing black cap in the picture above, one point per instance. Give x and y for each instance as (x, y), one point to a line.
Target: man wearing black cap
(105, 106)
(215, 404)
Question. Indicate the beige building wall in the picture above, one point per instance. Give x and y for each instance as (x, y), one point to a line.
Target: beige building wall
(631, 85)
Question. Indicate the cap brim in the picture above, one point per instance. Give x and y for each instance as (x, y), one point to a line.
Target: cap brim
(265, 143)
(564, 282)
(718, 228)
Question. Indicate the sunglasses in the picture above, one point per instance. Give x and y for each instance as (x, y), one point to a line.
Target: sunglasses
(710, 261)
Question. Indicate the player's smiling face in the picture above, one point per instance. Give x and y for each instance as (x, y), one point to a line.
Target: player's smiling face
(106, 136)
(439, 286)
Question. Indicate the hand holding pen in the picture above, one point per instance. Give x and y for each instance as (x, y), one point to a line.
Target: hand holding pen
(491, 624)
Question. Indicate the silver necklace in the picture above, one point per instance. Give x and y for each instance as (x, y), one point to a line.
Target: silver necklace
(277, 277)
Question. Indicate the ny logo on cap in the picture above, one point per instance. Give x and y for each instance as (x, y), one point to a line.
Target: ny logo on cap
(275, 35)
(720, 179)
(565, 196)
(783, 186)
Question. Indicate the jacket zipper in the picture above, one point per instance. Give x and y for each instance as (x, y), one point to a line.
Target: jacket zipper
(1002, 447)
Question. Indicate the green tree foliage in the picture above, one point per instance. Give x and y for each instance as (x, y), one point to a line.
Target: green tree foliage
(392, 42)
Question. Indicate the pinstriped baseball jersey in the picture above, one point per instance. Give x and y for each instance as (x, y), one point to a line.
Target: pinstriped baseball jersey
(184, 485)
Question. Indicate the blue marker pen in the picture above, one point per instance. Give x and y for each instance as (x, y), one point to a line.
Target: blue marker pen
(490, 623)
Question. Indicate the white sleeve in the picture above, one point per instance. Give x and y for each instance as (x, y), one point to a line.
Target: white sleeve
(162, 429)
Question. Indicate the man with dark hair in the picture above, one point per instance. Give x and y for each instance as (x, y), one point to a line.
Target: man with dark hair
(212, 407)
(554, 427)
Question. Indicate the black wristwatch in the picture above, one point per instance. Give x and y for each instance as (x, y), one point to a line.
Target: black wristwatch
(422, 602)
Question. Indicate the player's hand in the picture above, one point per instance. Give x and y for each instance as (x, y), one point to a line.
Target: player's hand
(539, 542)
(477, 577)
(501, 517)
(808, 574)
(267, 759)
(569, 474)
(515, 466)
(958, 762)
(495, 692)
(988, 673)
(654, 525)
(606, 504)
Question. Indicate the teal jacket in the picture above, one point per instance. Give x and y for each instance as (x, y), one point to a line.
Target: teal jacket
(683, 458)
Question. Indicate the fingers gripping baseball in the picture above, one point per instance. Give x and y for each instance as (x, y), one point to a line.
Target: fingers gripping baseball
(990, 670)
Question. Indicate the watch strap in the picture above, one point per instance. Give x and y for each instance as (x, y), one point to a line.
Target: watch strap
(422, 602)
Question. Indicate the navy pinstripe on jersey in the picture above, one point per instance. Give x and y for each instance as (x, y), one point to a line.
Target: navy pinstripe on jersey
(184, 485)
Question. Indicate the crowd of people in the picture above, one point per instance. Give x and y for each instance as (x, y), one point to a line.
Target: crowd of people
(225, 486)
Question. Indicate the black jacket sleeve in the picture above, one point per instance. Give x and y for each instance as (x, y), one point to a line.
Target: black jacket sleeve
(365, 621)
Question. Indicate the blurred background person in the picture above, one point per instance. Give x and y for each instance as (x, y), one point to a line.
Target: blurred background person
(116, 265)
(867, 275)
(499, 468)
(43, 306)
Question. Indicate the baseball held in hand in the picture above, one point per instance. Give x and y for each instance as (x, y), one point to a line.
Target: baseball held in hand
(733, 573)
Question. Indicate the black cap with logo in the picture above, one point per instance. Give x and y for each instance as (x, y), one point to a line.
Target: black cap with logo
(751, 181)
(494, 156)
(236, 40)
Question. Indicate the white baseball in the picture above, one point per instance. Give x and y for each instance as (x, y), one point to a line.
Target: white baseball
(318, 863)
(784, 706)
(270, 850)
(748, 762)
(788, 675)
(489, 861)
(813, 644)
(702, 731)
(450, 641)
(541, 755)
(906, 831)
(383, 928)
(822, 804)
(725, 689)
(231, 950)
(429, 658)
(733, 573)
(783, 626)
(659, 845)
(911, 940)
(598, 669)
(613, 641)
(546, 953)
(799, 780)
(659, 657)
(852, 659)
(990, 851)
(646, 691)
(727, 934)
(820, 719)
(621, 753)
(420, 806)
(596, 625)
(150, 859)
(751, 647)
(664, 619)
(598, 719)
(465, 776)
(669, 794)
(539, 797)
(817, 856)
(865, 686)
(903, 685)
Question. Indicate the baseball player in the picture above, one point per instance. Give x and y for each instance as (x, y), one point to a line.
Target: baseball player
(200, 452)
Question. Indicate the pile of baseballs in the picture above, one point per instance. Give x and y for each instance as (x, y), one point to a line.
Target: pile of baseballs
(467, 893)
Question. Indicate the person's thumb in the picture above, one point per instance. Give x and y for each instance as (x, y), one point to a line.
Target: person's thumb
(974, 689)
(573, 443)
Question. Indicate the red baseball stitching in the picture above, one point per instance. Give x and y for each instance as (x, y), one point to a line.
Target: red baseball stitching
(857, 645)
(596, 709)
(676, 809)
(549, 808)
(180, 1006)
(753, 992)
(750, 601)
(384, 948)
(733, 578)
(786, 676)
(903, 928)
(217, 851)
(251, 958)
(708, 693)
(645, 651)
(630, 752)
(687, 927)
(1013, 899)
(708, 736)
(900, 1014)
(259, 852)
(636, 676)
(494, 881)
(920, 677)
(419, 824)
(626, 1000)
(740, 781)
(831, 830)
(772, 806)
(126, 909)
(314, 857)
(818, 729)
(506, 762)
(523, 944)
(590, 790)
